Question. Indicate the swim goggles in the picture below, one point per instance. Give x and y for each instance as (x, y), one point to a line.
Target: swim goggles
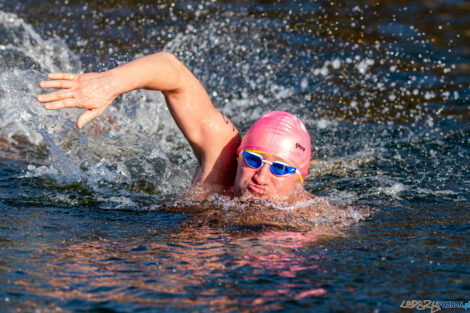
(278, 168)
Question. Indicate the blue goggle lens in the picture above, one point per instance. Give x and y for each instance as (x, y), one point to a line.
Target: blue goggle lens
(281, 169)
(252, 159)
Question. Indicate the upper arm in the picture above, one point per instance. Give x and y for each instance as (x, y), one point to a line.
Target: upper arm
(212, 136)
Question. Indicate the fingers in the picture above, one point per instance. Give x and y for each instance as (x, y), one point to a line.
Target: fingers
(60, 80)
(65, 98)
(64, 84)
(88, 116)
(54, 96)
(62, 104)
(66, 76)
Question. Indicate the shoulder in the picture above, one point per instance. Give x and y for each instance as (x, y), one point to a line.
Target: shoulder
(218, 162)
(219, 167)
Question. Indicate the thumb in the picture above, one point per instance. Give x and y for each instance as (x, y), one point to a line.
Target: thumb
(88, 116)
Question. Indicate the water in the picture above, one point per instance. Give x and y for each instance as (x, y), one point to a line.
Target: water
(93, 220)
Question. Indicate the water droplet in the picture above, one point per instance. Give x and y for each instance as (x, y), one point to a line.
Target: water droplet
(336, 63)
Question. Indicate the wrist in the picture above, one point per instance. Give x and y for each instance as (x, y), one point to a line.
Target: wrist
(117, 83)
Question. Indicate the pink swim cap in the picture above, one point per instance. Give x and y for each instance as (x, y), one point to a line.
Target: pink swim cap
(282, 134)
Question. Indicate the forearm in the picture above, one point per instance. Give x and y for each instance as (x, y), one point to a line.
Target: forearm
(185, 96)
(160, 71)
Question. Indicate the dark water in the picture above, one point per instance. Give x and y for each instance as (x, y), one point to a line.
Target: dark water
(91, 220)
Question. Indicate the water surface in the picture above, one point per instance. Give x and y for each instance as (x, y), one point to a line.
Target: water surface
(92, 220)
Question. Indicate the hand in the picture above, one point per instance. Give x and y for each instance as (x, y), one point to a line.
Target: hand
(92, 91)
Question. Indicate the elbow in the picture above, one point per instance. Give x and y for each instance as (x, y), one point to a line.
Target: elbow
(170, 59)
(168, 55)
(177, 68)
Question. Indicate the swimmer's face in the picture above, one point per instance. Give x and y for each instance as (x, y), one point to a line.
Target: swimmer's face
(252, 183)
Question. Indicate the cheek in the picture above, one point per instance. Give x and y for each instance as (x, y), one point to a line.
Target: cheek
(246, 174)
(279, 186)
(243, 175)
(285, 186)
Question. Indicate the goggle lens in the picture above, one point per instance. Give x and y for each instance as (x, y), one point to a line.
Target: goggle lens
(252, 160)
(280, 169)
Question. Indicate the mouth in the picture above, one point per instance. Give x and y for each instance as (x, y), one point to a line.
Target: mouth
(256, 190)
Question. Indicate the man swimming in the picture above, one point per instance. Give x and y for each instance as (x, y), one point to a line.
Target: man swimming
(270, 163)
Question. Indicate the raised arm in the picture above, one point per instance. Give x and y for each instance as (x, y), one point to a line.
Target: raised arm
(212, 136)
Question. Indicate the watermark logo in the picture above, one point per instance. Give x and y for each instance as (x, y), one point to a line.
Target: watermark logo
(421, 305)
(434, 306)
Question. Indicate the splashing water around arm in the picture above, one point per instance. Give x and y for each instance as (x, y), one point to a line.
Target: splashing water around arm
(212, 136)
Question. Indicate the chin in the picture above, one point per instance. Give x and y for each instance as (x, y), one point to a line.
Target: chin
(249, 195)
(246, 194)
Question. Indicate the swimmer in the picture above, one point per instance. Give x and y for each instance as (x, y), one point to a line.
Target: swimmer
(269, 163)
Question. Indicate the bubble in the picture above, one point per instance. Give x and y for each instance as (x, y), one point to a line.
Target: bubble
(336, 63)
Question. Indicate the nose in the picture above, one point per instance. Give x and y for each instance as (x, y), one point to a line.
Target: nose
(262, 175)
